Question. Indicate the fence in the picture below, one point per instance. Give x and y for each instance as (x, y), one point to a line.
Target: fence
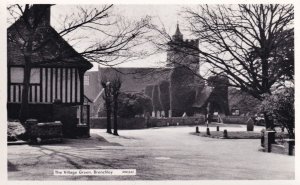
(123, 123)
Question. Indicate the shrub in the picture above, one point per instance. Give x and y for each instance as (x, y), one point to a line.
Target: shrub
(15, 131)
(219, 96)
(131, 105)
(280, 106)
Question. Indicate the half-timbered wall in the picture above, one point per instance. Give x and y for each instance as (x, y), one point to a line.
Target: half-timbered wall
(46, 85)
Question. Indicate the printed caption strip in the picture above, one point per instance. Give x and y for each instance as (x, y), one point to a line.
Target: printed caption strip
(94, 172)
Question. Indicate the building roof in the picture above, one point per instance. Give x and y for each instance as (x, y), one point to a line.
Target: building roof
(136, 79)
(51, 48)
(203, 96)
(133, 79)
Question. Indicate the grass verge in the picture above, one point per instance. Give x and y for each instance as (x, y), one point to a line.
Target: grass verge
(231, 135)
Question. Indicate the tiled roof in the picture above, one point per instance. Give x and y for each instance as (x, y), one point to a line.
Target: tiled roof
(133, 79)
(55, 51)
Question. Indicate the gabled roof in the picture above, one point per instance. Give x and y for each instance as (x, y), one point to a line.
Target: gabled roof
(136, 79)
(53, 50)
(133, 79)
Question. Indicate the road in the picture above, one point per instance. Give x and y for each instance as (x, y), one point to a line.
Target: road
(169, 153)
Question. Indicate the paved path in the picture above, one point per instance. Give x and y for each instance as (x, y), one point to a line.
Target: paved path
(169, 153)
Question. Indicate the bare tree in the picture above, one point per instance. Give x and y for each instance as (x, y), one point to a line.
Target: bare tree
(107, 96)
(116, 86)
(251, 44)
(116, 48)
(245, 42)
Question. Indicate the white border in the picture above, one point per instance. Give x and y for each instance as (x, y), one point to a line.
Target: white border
(3, 91)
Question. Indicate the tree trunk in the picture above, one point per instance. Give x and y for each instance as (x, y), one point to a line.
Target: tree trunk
(116, 115)
(108, 116)
(23, 114)
(268, 122)
(170, 114)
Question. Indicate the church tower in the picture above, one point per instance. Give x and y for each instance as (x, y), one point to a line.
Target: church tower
(183, 58)
(178, 35)
(183, 52)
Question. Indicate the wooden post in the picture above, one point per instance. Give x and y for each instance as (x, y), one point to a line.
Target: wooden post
(207, 131)
(225, 134)
(269, 140)
(197, 130)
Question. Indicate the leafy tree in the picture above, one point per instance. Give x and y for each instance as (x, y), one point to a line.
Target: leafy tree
(243, 101)
(219, 96)
(280, 105)
(131, 105)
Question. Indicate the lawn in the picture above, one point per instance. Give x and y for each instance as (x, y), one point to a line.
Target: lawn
(231, 134)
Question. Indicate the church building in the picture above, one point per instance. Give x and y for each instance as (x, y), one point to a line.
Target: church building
(178, 85)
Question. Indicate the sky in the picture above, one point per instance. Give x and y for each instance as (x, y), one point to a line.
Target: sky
(168, 15)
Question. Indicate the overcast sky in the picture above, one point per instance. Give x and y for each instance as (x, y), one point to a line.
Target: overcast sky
(168, 15)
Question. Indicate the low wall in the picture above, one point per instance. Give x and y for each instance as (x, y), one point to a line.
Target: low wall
(123, 123)
(175, 121)
(236, 120)
(44, 131)
(139, 123)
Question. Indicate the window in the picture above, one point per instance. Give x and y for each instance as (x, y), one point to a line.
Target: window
(35, 75)
(16, 74)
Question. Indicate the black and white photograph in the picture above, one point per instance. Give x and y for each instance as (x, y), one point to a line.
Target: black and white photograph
(149, 92)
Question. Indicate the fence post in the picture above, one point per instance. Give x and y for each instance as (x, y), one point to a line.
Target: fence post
(207, 131)
(269, 140)
(225, 134)
(290, 143)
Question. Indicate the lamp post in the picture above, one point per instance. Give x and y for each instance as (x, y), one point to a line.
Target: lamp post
(207, 113)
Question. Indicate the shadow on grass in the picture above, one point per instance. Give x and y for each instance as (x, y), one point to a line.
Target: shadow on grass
(66, 151)
(69, 158)
(94, 141)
